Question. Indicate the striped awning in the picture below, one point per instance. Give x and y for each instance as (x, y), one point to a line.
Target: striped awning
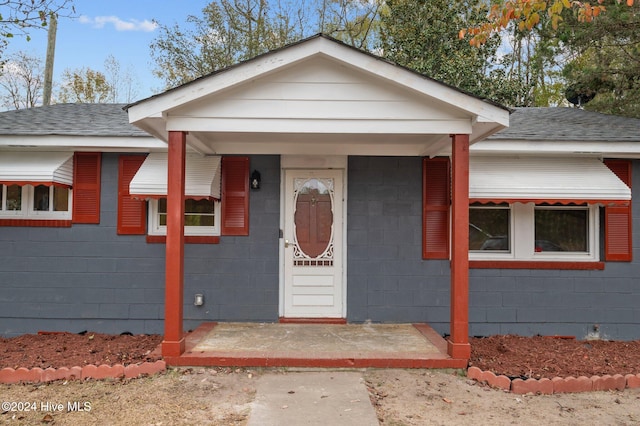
(202, 177)
(36, 168)
(545, 180)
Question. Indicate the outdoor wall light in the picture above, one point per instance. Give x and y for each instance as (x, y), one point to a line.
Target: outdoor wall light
(199, 300)
(255, 180)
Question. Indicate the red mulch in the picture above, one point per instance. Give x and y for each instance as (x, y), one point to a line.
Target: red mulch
(514, 356)
(539, 356)
(69, 350)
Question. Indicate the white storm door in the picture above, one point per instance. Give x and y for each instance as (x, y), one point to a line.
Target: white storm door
(313, 286)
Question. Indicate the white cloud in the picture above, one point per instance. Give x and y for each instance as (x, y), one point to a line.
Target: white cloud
(119, 24)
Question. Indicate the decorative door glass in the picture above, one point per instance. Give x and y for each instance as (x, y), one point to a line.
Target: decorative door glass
(313, 221)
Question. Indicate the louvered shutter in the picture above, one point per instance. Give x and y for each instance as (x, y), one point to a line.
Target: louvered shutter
(436, 200)
(86, 187)
(132, 213)
(235, 196)
(618, 235)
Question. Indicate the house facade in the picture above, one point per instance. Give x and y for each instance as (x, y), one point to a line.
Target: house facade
(318, 182)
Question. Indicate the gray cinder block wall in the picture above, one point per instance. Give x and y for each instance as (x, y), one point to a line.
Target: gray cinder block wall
(556, 302)
(89, 278)
(389, 282)
(387, 279)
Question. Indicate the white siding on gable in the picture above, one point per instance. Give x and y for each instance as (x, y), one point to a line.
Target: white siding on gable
(318, 96)
(319, 90)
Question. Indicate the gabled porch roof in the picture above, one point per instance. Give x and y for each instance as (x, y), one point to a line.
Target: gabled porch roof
(318, 96)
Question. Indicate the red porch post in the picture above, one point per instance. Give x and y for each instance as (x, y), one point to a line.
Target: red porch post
(458, 344)
(173, 343)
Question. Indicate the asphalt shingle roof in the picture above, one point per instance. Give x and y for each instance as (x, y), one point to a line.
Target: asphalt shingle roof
(536, 124)
(70, 120)
(568, 124)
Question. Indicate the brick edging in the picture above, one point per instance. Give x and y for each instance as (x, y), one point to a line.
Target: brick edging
(104, 371)
(557, 384)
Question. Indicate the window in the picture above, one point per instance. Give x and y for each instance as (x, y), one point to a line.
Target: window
(489, 228)
(561, 229)
(35, 202)
(201, 217)
(206, 178)
(533, 232)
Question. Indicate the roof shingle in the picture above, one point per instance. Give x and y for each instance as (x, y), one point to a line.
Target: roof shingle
(70, 120)
(568, 124)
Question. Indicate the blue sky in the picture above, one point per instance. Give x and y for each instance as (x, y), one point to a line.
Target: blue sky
(122, 28)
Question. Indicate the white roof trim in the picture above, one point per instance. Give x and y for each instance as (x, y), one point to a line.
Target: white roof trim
(279, 59)
(538, 179)
(37, 167)
(202, 177)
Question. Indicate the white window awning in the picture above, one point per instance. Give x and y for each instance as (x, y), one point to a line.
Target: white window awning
(545, 180)
(202, 177)
(36, 168)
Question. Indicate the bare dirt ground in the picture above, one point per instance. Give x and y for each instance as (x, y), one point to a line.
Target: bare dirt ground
(214, 396)
(223, 396)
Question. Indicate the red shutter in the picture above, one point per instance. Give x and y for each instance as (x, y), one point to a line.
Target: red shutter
(618, 235)
(132, 213)
(436, 200)
(86, 187)
(235, 196)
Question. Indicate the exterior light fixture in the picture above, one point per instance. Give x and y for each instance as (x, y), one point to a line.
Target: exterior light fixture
(255, 180)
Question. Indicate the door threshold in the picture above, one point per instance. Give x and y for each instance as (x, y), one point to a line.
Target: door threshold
(289, 320)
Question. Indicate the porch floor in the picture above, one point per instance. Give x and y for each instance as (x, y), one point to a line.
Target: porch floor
(316, 345)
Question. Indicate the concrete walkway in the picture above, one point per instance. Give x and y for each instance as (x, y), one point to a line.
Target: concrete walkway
(312, 398)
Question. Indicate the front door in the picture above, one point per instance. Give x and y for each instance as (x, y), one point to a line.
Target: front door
(313, 284)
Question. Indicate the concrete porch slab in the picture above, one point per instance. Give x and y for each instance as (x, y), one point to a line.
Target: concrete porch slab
(316, 345)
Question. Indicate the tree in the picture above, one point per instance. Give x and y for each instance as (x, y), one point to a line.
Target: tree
(84, 85)
(528, 14)
(424, 36)
(229, 31)
(604, 61)
(354, 22)
(17, 17)
(531, 66)
(22, 79)
(122, 83)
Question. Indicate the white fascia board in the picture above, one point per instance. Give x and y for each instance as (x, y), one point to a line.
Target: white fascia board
(305, 126)
(431, 88)
(94, 143)
(293, 148)
(280, 59)
(223, 80)
(628, 149)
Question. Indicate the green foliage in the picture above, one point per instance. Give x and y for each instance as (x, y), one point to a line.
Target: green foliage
(355, 22)
(17, 17)
(423, 35)
(604, 60)
(231, 31)
(84, 85)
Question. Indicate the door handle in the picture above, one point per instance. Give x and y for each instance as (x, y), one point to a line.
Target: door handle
(286, 243)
